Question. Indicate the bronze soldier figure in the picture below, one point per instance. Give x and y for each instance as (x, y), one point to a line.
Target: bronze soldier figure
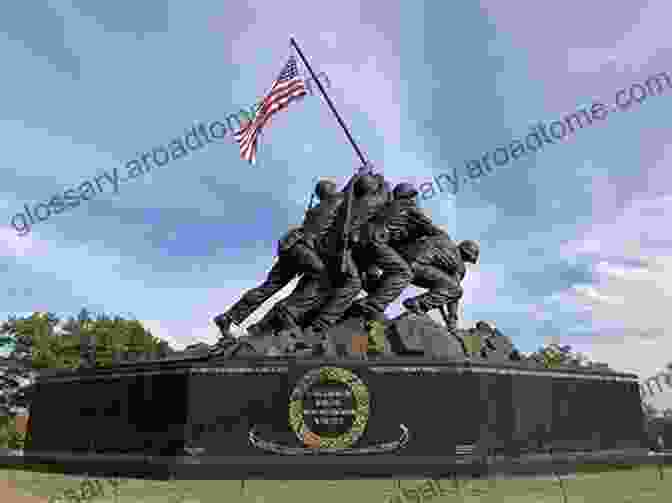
(297, 254)
(311, 289)
(398, 222)
(370, 194)
(439, 265)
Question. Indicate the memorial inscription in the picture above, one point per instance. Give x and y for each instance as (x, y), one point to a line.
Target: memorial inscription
(329, 408)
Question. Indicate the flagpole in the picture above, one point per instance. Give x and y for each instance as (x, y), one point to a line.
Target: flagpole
(349, 188)
(331, 105)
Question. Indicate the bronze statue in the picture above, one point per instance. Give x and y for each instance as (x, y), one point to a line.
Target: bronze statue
(398, 223)
(370, 193)
(364, 237)
(318, 303)
(439, 265)
(311, 289)
(297, 254)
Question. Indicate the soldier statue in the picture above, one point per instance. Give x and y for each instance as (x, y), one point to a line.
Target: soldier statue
(364, 237)
(370, 193)
(439, 265)
(398, 223)
(318, 303)
(297, 254)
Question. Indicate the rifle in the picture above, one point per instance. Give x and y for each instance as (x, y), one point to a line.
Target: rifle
(349, 195)
(365, 169)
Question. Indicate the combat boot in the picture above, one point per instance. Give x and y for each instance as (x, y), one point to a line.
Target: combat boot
(450, 316)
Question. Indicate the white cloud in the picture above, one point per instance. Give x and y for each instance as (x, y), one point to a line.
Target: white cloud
(629, 297)
(197, 326)
(13, 245)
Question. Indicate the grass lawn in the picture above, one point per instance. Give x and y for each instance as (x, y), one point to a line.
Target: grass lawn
(640, 484)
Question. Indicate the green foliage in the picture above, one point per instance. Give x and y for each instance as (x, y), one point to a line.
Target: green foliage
(554, 355)
(35, 339)
(36, 343)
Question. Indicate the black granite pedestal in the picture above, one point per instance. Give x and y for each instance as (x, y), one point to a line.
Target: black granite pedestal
(236, 409)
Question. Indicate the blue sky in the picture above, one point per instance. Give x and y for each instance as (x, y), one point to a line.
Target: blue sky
(574, 239)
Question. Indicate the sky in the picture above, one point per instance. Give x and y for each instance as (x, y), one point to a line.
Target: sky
(574, 242)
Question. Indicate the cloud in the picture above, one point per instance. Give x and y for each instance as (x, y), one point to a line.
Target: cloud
(13, 245)
(631, 289)
(370, 77)
(183, 243)
(196, 324)
(633, 36)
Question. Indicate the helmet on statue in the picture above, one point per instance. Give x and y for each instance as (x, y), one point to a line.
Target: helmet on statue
(366, 184)
(405, 191)
(325, 189)
(470, 250)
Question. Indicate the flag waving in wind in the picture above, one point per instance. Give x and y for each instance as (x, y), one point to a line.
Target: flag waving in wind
(288, 87)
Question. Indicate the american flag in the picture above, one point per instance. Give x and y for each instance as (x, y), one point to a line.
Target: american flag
(289, 86)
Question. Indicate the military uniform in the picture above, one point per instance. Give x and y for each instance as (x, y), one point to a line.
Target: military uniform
(399, 222)
(438, 264)
(370, 194)
(311, 287)
(297, 254)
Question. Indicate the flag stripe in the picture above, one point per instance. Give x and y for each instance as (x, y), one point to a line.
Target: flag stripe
(278, 98)
(278, 94)
(264, 115)
(247, 137)
(288, 87)
(269, 107)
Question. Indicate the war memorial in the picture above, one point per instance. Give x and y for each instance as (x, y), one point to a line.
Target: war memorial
(327, 386)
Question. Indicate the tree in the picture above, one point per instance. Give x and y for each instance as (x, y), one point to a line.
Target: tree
(41, 341)
(555, 355)
(34, 339)
(108, 337)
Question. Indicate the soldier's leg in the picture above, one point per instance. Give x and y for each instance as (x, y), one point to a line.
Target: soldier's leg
(298, 259)
(282, 272)
(307, 296)
(397, 275)
(274, 320)
(443, 289)
(311, 290)
(451, 309)
(346, 286)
